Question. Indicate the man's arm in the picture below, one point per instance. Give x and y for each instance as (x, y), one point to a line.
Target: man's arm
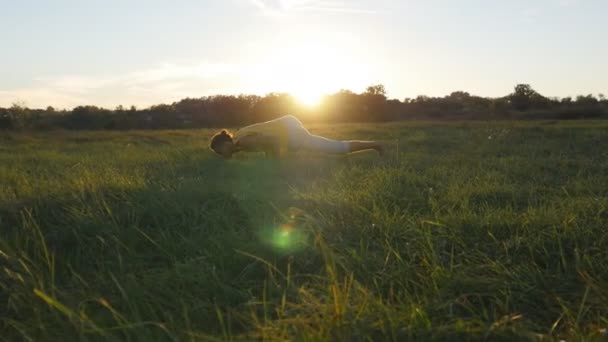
(271, 145)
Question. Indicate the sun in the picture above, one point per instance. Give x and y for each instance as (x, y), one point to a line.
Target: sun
(308, 98)
(308, 72)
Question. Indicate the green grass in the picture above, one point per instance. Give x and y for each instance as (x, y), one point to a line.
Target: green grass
(485, 230)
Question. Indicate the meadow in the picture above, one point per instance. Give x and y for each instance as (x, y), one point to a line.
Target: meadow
(462, 231)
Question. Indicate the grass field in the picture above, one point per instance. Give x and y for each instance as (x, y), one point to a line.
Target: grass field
(485, 230)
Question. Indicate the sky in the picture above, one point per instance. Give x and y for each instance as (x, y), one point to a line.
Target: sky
(65, 53)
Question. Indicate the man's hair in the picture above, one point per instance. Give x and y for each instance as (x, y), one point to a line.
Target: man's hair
(220, 138)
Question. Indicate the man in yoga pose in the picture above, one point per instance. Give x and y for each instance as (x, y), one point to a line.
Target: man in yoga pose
(276, 137)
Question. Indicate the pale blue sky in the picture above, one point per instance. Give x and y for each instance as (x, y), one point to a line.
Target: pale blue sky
(65, 53)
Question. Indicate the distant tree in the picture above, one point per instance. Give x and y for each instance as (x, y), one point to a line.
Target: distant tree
(5, 119)
(585, 106)
(341, 106)
(374, 104)
(524, 97)
(460, 95)
(520, 99)
(377, 89)
(192, 110)
(87, 117)
(421, 99)
(272, 106)
(20, 115)
(602, 97)
(586, 100)
(457, 102)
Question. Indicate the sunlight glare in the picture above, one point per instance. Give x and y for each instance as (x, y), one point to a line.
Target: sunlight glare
(309, 98)
(308, 72)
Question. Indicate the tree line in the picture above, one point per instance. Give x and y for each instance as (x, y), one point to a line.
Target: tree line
(344, 106)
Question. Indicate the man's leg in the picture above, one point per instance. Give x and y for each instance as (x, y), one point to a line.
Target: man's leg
(320, 144)
(356, 145)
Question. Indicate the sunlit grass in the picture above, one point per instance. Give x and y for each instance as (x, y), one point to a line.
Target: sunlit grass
(148, 236)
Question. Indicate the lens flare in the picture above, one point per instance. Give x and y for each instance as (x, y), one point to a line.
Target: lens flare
(290, 235)
(285, 238)
(282, 237)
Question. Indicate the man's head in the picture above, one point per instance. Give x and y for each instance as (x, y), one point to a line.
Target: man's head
(222, 144)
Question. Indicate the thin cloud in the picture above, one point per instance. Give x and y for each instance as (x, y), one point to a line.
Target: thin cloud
(258, 3)
(533, 13)
(39, 97)
(337, 9)
(530, 14)
(164, 72)
(275, 7)
(566, 3)
(167, 82)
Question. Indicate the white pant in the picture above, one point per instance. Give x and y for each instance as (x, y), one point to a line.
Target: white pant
(301, 139)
